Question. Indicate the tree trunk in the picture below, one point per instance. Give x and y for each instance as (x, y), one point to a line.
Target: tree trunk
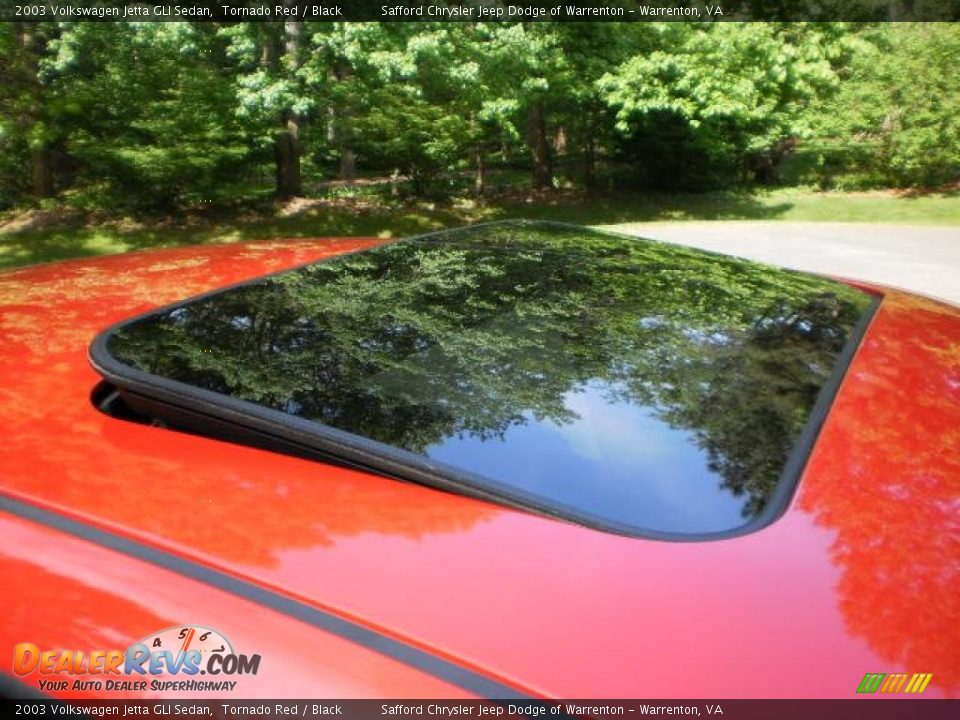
(348, 163)
(288, 157)
(335, 131)
(343, 131)
(287, 146)
(32, 119)
(480, 179)
(41, 162)
(540, 148)
(590, 160)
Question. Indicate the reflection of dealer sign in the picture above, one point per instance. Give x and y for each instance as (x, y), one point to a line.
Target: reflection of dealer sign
(182, 650)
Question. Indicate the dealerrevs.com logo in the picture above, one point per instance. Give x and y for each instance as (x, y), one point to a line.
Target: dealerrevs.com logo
(170, 660)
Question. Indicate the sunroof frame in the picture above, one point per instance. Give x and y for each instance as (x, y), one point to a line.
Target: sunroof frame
(192, 408)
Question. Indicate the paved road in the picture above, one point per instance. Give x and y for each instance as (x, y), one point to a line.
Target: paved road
(922, 258)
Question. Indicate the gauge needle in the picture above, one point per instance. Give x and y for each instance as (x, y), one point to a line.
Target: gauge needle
(186, 641)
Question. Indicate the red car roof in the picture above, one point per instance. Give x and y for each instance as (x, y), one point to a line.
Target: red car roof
(416, 592)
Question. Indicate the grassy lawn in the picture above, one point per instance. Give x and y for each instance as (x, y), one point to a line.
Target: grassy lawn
(35, 236)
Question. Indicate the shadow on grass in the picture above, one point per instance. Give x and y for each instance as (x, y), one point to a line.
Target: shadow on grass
(27, 243)
(609, 209)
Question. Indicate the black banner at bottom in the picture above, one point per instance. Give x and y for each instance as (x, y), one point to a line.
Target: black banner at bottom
(854, 709)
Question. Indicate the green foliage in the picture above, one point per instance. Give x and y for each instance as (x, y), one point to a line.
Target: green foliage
(419, 95)
(716, 98)
(896, 118)
(175, 115)
(141, 111)
(24, 118)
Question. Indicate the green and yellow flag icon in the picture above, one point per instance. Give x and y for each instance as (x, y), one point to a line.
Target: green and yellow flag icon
(894, 682)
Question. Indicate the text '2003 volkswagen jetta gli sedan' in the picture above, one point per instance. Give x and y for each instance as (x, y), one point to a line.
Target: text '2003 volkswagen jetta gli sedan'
(511, 459)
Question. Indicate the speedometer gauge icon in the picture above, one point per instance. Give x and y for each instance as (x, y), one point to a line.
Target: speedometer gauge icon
(184, 638)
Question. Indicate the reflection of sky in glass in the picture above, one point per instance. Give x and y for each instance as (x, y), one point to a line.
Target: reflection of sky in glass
(616, 460)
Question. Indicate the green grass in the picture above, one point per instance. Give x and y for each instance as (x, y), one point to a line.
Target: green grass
(35, 237)
(866, 207)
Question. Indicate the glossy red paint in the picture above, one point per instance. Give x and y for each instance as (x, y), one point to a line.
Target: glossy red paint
(75, 595)
(861, 574)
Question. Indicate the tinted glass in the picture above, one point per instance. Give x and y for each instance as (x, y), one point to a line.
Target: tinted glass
(639, 383)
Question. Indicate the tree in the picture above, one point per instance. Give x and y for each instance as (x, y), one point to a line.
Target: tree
(591, 50)
(272, 97)
(27, 127)
(896, 117)
(728, 91)
(414, 116)
(144, 110)
(171, 115)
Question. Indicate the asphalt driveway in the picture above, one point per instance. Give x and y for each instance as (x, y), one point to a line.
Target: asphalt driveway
(921, 258)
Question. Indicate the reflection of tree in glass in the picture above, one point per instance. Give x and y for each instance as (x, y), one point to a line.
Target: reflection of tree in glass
(280, 496)
(472, 332)
(885, 478)
(747, 400)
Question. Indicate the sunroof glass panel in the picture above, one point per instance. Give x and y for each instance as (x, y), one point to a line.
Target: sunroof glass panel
(623, 383)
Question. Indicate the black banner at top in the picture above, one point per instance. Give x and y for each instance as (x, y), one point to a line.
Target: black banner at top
(481, 10)
(163, 708)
